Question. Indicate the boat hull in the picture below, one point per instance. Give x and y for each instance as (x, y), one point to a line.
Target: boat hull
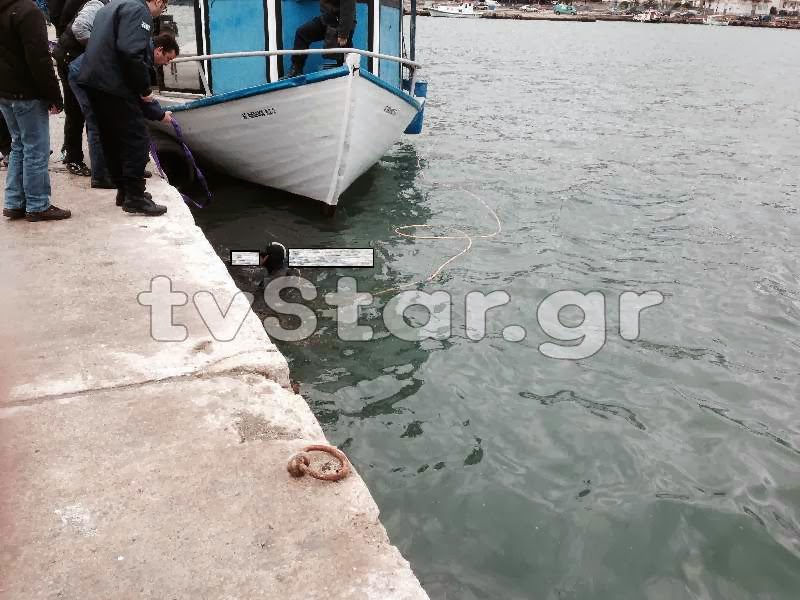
(310, 135)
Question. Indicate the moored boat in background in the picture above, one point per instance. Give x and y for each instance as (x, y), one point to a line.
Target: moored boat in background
(648, 16)
(465, 10)
(717, 20)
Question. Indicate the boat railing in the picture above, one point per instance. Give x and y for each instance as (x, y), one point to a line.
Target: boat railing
(200, 59)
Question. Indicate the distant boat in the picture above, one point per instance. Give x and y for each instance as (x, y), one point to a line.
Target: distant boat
(718, 20)
(649, 16)
(461, 11)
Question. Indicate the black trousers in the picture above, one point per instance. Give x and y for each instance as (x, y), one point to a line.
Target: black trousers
(73, 121)
(318, 29)
(123, 135)
(5, 137)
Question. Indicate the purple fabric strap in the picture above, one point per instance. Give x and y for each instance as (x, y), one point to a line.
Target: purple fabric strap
(200, 177)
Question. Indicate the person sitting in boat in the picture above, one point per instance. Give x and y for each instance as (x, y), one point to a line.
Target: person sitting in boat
(334, 26)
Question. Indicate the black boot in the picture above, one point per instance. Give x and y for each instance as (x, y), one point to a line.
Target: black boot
(121, 197)
(142, 205)
(295, 71)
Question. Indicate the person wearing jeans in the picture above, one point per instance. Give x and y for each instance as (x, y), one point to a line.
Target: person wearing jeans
(101, 178)
(27, 180)
(28, 92)
(63, 12)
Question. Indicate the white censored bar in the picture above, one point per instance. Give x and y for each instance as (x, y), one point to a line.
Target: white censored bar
(331, 257)
(245, 258)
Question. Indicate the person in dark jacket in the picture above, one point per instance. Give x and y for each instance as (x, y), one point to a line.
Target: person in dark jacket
(165, 50)
(334, 26)
(116, 76)
(62, 13)
(71, 46)
(28, 90)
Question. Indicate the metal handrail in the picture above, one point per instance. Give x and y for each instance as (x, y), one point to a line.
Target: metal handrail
(412, 65)
(403, 61)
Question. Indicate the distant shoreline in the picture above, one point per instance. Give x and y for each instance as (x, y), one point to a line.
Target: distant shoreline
(591, 17)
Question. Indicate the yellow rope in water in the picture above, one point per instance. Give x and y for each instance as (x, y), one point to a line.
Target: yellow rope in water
(402, 231)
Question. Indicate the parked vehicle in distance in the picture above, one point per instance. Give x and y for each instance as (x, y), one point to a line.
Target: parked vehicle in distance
(529, 8)
(564, 9)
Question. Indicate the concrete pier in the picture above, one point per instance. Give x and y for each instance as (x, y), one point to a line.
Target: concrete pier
(133, 468)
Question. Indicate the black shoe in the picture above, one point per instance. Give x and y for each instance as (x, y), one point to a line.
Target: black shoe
(121, 197)
(14, 213)
(104, 184)
(294, 72)
(142, 205)
(51, 214)
(79, 169)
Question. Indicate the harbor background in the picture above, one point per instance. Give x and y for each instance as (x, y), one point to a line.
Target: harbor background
(619, 157)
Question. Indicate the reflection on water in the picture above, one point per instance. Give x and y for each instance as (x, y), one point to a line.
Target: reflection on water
(618, 157)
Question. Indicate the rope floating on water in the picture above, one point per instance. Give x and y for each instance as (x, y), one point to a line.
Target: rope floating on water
(402, 231)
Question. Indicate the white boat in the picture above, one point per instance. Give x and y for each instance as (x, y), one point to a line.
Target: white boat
(648, 16)
(313, 134)
(465, 10)
(718, 20)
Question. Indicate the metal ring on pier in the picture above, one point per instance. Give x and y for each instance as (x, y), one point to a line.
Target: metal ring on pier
(300, 463)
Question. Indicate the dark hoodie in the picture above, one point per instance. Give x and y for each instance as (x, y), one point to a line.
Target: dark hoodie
(26, 69)
(345, 13)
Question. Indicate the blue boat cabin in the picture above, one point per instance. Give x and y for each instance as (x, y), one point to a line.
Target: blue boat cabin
(219, 26)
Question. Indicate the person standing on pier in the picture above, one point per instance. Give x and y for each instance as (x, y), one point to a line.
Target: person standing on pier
(334, 26)
(68, 52)
(62, 12)
(28, 91)
(116, 76)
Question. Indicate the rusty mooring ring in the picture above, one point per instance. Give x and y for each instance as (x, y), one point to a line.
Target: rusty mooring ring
(300, 463)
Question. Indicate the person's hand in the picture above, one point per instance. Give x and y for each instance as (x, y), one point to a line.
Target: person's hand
(167, 119)
(54, 110)
(149, 98)
(342, 42)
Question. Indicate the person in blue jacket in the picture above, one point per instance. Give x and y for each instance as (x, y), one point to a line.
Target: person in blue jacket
(116, 76)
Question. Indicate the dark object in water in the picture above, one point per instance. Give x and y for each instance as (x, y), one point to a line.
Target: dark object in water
(275, 260)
